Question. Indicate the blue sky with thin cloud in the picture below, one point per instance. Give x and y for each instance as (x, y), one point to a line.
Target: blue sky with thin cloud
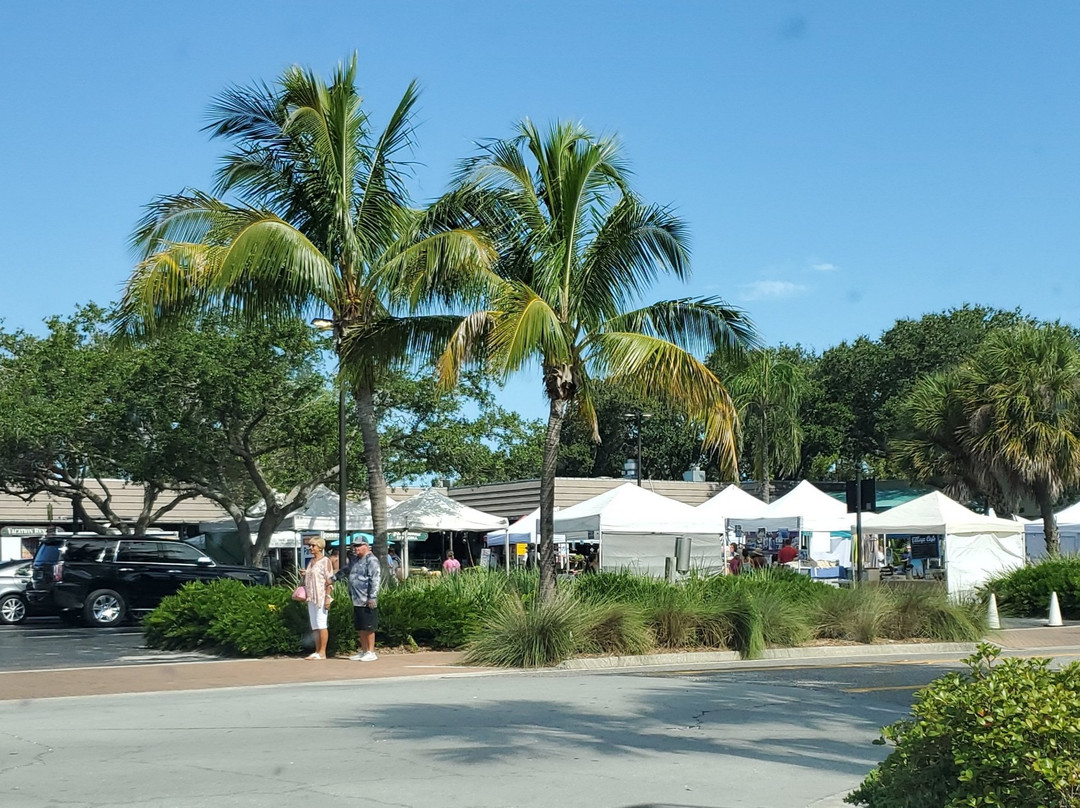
(840, 165)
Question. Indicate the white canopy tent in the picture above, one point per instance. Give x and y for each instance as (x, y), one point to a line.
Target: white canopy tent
(805, 512)
(320, 513)
(1068, 524)
(523, 531)
(432, 512)
(973, 547)
(636, 529)
(732, 501)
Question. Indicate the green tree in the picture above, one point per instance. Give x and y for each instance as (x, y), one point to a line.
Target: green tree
(1007, 420)
(577, 248)
(74, 413)
(461, 435)
(310, 216)
(670, 442)
(768, 389)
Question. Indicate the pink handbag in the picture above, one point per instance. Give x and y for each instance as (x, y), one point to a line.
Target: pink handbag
(299, 593)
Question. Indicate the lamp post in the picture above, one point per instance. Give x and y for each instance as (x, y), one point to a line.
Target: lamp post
(637, 416)
(343, 479)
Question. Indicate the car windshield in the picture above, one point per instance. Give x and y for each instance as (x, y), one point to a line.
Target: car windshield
(47, 554)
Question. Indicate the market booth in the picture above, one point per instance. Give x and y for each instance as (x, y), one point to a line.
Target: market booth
(434, 512)
(967, 547)
(732, 501)
(636, 529)
(807, 515)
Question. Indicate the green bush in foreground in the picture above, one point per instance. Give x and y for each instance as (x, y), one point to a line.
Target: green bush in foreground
(1005, 733)
(1025, 592)
(528, 635)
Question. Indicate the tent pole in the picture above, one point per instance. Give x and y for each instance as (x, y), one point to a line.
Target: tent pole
(506, 550)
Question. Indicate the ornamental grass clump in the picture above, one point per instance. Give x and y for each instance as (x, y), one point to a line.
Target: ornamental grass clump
(923, 611)
(618, 629)
(1005, 733)
(533, 634)
(855, 615)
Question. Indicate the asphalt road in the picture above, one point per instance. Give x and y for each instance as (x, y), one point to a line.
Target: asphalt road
(47, 644)
(775, 738)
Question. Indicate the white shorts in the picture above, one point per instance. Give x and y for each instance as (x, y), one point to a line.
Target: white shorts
(316, 616)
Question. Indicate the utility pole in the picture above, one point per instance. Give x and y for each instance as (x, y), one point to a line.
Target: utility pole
(637, 416)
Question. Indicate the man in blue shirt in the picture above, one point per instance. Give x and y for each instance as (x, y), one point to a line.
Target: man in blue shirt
(363, 574)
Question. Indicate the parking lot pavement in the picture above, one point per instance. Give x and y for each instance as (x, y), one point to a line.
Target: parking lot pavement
(48, 644)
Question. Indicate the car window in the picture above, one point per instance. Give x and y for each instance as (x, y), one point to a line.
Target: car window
(140, 551)
(180, 553)
(47, 554)
(83, 551)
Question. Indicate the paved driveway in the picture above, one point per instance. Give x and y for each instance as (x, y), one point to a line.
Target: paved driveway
(48, 644)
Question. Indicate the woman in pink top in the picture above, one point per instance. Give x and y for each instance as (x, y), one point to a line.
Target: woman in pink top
(451, 565)
(318, 582)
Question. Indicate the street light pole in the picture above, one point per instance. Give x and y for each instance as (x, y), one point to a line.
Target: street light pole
(639, 448)
(343, 477)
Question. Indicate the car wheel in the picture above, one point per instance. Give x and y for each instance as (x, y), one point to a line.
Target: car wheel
(12, 610)
(104, 608)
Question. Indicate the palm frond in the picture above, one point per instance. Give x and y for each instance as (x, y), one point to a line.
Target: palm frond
(467, 343)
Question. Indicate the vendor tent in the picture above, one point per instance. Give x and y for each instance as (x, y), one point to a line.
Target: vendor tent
(973, 547)
(319, 513)
(805, 512)
(636, 529)
(1068, 524)
(732, 501)
(523, 531)
(433, 511)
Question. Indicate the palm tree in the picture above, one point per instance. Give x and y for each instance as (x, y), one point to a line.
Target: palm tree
(767, 390)
(309, 217)
(577, 249)
(1007, 421)
(1023, 397)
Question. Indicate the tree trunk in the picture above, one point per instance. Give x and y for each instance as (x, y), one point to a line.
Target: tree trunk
(556, 414)
(369, 430)
(1050, 529)
(763, 453)
(271, 521)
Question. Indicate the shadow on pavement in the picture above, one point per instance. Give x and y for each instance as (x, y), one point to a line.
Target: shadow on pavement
(793, 726)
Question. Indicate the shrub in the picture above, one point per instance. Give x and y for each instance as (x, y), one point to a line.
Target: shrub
(1004, 733)
(255, 621)
(527, 635)
(1025, 592)
(443, 612)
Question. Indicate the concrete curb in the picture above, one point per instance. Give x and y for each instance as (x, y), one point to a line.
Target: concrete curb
(814, 652)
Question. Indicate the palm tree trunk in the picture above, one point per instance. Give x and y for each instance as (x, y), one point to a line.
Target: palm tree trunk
(365, 404)
(1050, 529)
(556, 414)
(763, 453)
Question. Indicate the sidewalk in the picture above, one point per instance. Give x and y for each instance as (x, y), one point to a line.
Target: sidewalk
(114, 679)
(16, 685)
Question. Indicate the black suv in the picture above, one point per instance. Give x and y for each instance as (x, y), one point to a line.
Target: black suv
(103, 578)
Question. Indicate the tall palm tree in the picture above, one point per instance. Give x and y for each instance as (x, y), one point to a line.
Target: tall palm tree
(767, 390)
(1007, 421)
(577, 249)
(309, 216)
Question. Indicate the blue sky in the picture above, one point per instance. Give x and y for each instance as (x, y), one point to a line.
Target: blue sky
(840, 164)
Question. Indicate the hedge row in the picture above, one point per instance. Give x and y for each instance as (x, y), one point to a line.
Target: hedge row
(499, 620)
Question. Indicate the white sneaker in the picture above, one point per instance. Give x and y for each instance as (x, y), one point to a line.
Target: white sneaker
(356, 657)
(368, 657)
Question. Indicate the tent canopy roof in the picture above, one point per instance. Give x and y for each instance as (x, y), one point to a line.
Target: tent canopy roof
(936, 513)
(808, 501)
(433, 511)
(629, 508)
(732, 501)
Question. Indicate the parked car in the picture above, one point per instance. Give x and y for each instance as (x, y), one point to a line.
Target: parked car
(14, 578)
(104, 579)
